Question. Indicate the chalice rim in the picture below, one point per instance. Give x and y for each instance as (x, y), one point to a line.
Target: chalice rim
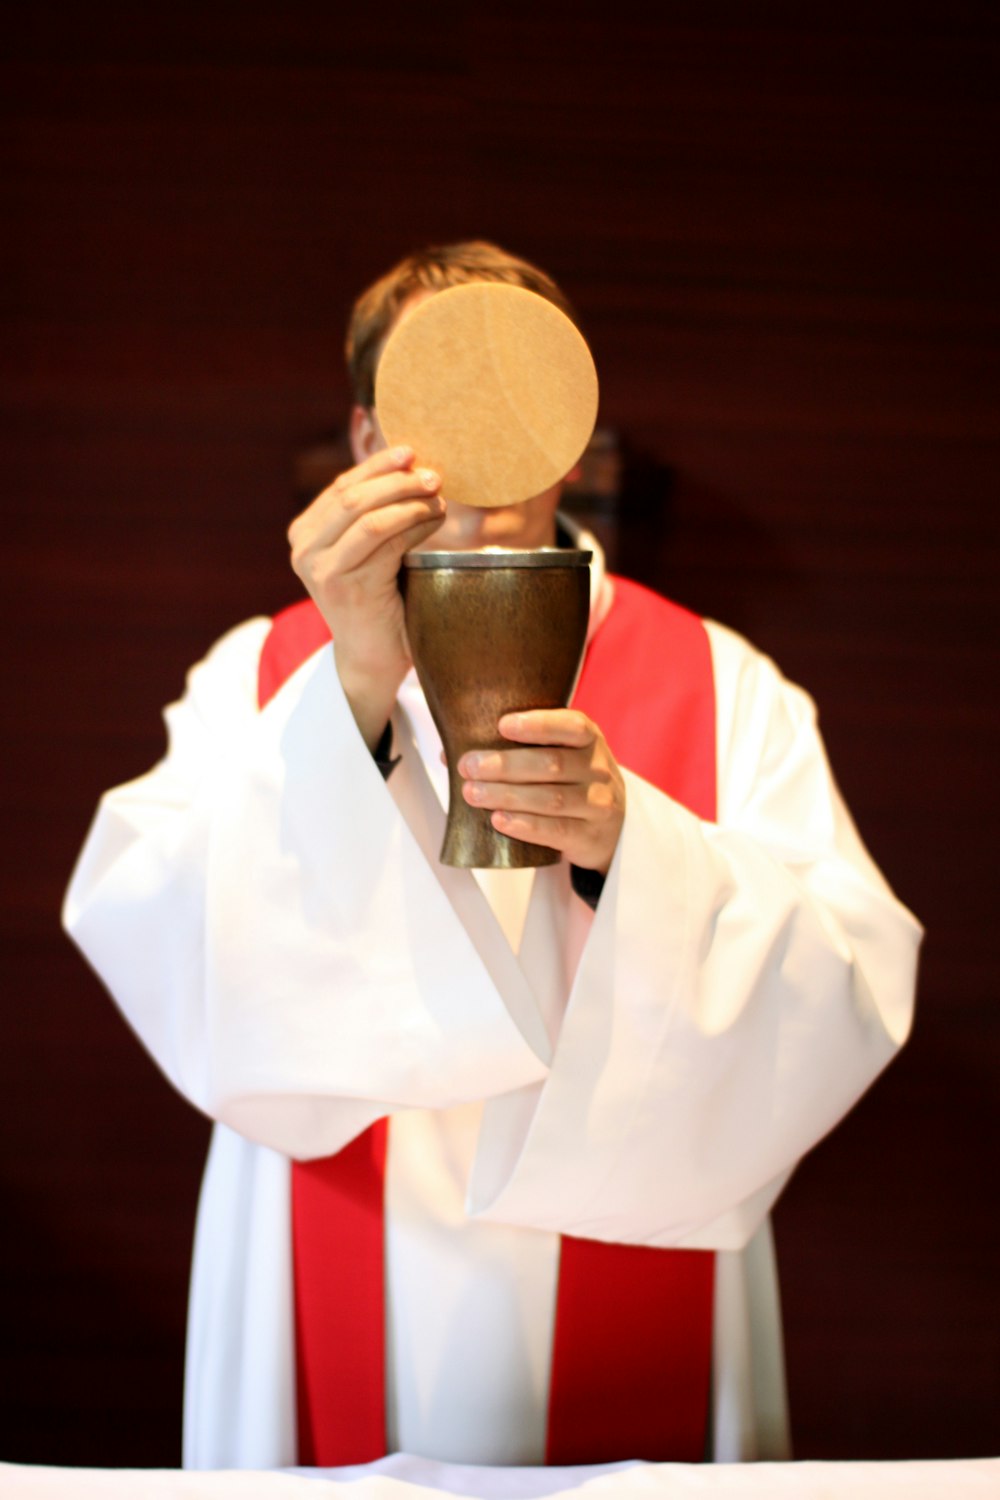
(508, 557)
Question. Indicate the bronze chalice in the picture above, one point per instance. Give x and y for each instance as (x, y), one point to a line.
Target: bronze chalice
(493, 632)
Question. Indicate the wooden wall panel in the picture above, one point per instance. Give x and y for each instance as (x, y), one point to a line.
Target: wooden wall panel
(780, 228)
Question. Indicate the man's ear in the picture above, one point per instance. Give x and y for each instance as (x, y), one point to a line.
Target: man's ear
(365, 433)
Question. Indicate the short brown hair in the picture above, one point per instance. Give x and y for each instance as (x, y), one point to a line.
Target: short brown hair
(431, 270)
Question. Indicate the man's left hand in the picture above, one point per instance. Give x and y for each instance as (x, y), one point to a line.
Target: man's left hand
(558, 785)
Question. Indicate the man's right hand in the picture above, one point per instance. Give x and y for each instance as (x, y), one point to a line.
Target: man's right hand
(346, 548)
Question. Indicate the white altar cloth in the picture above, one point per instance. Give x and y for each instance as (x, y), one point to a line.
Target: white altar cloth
(402, 1477)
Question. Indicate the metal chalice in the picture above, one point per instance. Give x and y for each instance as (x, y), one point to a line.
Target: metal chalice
(493, 632)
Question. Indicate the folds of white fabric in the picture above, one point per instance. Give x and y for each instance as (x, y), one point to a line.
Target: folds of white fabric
(273, 921)
(292, 962)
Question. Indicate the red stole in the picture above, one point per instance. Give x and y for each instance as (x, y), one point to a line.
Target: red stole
(631, 1359)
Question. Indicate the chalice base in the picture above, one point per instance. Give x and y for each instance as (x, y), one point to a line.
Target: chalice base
(472, 843)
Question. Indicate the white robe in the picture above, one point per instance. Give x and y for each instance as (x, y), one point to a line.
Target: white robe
(272, 919)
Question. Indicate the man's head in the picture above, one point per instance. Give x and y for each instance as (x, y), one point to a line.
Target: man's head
(531, 523)
(417, 276)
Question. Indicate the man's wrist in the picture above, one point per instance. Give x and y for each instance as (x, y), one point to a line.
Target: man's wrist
(370, 701)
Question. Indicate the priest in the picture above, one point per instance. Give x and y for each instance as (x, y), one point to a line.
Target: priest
(494, 1152)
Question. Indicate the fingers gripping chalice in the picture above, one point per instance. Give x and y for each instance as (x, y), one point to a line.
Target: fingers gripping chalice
(493, 387)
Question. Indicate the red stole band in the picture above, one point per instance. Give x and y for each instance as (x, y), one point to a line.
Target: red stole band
(631, 1359)
(338, 1241)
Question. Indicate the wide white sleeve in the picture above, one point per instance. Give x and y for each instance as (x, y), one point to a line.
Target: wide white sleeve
(275, 932)
(742, 983)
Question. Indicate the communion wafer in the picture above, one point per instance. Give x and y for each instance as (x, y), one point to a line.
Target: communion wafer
(493, 387)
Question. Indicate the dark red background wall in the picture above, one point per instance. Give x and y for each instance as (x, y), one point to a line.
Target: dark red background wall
(779, 224)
